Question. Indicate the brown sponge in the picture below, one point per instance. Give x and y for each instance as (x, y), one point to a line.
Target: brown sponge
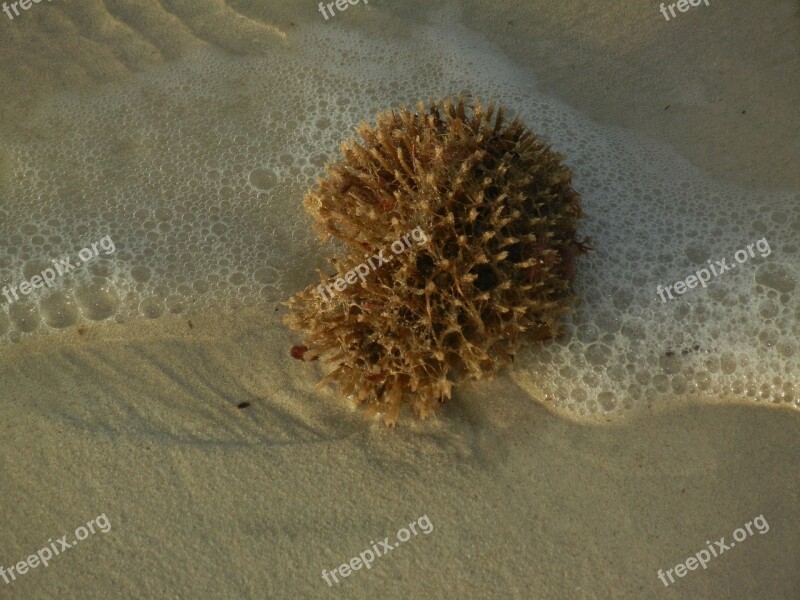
(457, 234)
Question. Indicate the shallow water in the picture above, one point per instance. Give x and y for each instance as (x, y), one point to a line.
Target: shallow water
(195, 170)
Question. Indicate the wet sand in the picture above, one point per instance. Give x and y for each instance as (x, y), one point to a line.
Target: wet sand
(205, 499)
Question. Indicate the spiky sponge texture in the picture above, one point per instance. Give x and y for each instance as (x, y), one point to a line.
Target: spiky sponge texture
(499, 219)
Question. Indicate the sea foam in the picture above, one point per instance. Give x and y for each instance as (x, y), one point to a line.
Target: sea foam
(197, 169)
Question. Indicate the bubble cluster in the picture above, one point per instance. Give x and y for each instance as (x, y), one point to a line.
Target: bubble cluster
(197, 169)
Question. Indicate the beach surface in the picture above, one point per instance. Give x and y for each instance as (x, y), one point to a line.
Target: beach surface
(223, 470)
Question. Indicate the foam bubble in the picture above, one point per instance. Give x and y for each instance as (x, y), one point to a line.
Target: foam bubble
(58, 311)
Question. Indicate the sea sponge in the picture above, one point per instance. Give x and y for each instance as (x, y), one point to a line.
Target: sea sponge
(499, 218)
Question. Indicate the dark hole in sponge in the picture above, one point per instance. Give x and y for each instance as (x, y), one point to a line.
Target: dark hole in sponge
(425, 264)
(450, 249)
(452, 340)
(514, 252)
(374, 351)
(491, 192)
(486, 280)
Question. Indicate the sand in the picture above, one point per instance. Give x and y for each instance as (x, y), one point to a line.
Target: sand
(138, 420)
